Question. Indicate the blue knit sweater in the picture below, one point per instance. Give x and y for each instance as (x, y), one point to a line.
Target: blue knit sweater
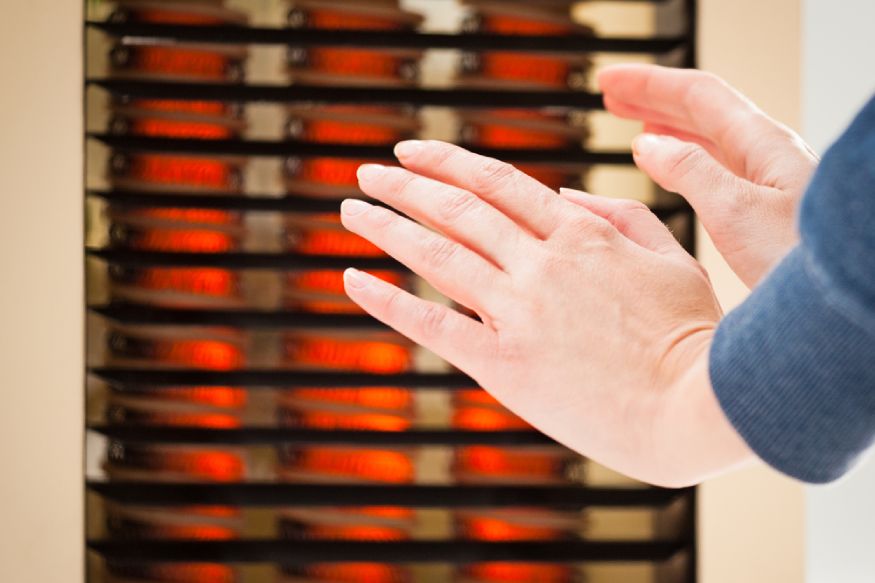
(794, 366)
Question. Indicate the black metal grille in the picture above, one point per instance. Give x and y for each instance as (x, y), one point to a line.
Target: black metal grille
(245, 423)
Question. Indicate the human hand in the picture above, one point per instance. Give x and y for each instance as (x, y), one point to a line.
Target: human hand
(742, 172)
(593, 316)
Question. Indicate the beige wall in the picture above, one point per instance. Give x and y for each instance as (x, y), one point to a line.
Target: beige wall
(752, 523)
(41, 292)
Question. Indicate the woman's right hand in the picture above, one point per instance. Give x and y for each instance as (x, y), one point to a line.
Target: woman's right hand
(742, 172)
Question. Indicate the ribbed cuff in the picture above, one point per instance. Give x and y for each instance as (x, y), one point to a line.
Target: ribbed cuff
(796, 375)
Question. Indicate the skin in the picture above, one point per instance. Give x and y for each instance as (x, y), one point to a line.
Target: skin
(595, 324)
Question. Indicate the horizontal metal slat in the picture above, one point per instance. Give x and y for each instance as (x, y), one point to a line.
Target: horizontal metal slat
(251, 93)
(241, 260)
(262, 203)
(274, 378)
(305, 552)
(464, 496)
(242, 318)
(295, 148)
(390, 39)
(276, 436)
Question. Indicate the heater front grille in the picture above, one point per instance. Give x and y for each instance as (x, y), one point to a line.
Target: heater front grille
(246, 422)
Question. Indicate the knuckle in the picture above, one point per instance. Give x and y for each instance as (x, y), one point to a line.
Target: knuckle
(456, 204)
(381, 216)
(627, 206)
(440, 251)
(683, 162)
(432, 320)
(589, 227)
(493, 172)
(441, 153)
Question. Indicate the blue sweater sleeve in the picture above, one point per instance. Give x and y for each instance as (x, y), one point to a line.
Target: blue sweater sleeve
(794, 366)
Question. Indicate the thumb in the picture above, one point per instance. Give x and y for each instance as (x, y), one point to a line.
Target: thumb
(689, 170)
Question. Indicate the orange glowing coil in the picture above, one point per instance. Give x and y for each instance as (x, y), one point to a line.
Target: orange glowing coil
(158, 16)
(199, 172)
(173, 419)
(205, 108)
(354, 62)
(186, 215)
(504, 463)
(487, 419)
(352, 573)
(178, 129)
(140, 529)
(494, 529)
(493, 133)
(352, 532)
(222, 397)
(361, 355)
(318, 240)
(177, 573)
(534, 69)
(325, 291)
(364, 464)
(332, 281)
(192, 241)
(477, 397)
(177, 61)
(338, 20)
(342, 420)
(384, 398)
(201, 281)
(519, 573)
(504, 24)
(336, 171)
(334, 131)
(201, 464)
(209, 354)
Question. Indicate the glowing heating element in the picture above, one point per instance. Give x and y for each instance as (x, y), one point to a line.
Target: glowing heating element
(349, 573)
(154, 59)
(518, 573)
(371, 398)
(487, 462)
(141, 416)
(349, 132)
(169, 128)
(330, 171)
(202, 108)
(134, 528)
(518, 129)
(176, 239)
(208, 354)
(322, 291)
(315, 419)
(360, 355)
(323, 234)
(369, 465)
(175, 573)
(205, 282)
(212, 396)
(486, 419)
(159, 169)
(215, 465)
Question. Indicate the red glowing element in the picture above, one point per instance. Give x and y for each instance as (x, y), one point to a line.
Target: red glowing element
(218, 466)
(354, 573)
(199, 241)
(178, 129)
(211, 354)
(477, 397)
(363, 355)
(185, 215)
(192, 532)
(482, 419)
(367, 397)
(201, 172)
(332, 19)
(514, 25)
(509, 66)
(159, 16)
(355, 532)
(333, 131)
(330, 284)
(498, 462)
(206, 420)
(189, 573)
(354, 62)
(333, 242)
(494, 529)
(495, 134)
(210, 108)
(365, 464)
(356, 421)
(225, 397)
(519, 573)
(330, 171)
(176, 61)
(208, 282)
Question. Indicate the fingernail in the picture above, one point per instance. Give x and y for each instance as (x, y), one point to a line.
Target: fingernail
(353, 206)
(573, 192)
(369, 171)
(645, 144)
(408, 148)
(354, 279)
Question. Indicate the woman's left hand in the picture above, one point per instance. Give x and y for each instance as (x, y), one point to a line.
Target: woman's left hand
(595, 322)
